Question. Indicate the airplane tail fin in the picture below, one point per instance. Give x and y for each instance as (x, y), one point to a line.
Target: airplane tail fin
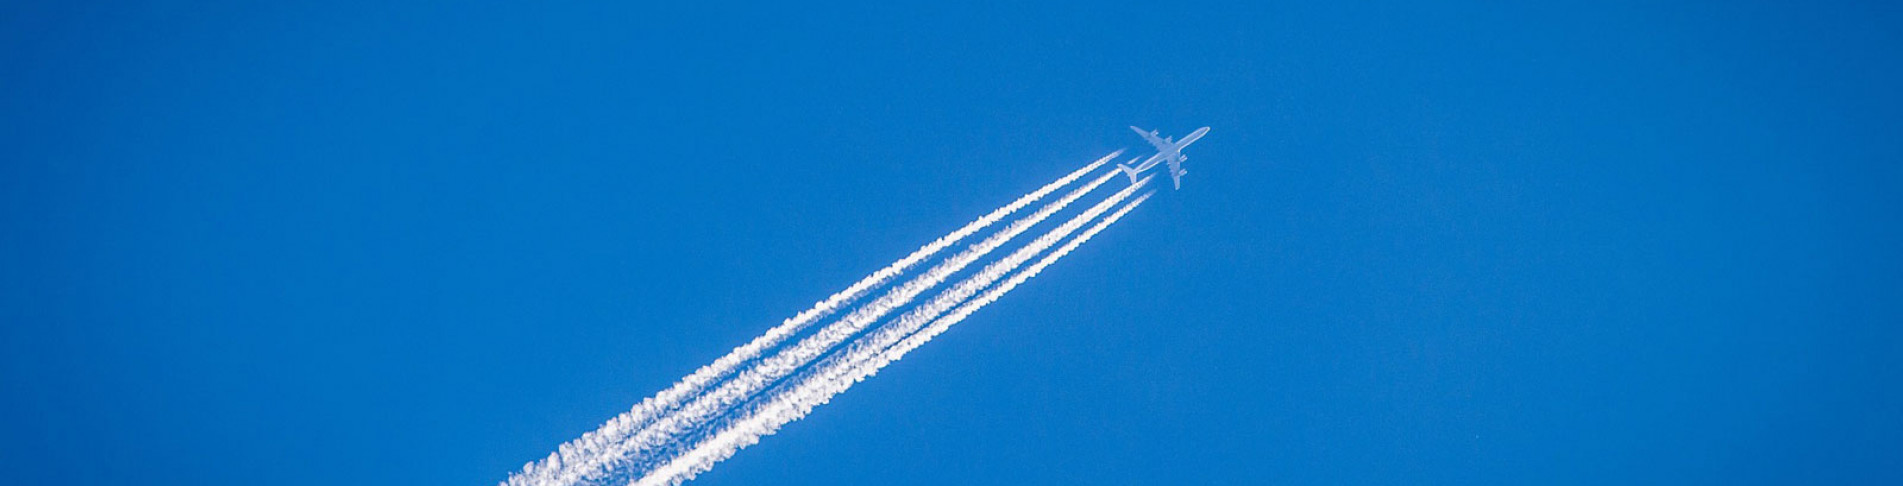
(1128, 170)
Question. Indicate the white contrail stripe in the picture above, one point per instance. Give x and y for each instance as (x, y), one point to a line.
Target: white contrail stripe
(583, 456)
(839, 375)
(821, 388)
(940, 325)
(712, 404)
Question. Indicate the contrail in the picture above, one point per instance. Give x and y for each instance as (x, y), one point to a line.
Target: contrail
(753, 379)
(584, 456)
(614, 455)
(861, 362)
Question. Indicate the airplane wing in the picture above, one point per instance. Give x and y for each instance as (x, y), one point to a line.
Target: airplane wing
(1161, 146)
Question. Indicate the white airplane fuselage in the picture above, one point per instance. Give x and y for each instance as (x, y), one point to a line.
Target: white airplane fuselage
(1167, 150)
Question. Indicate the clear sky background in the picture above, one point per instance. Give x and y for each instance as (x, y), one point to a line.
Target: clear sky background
(1442, 243)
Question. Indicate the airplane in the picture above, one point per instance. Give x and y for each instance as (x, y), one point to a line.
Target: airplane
(1167, 150)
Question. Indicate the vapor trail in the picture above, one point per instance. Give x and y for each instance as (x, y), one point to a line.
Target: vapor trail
(753, 379)
(865, 357)
(586, 456)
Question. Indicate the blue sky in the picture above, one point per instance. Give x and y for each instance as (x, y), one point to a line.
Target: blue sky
(1444, 243)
